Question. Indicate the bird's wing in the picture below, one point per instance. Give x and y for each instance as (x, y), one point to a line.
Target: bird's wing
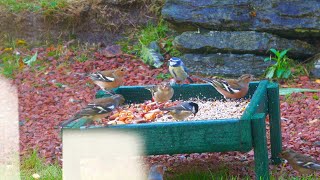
(223, 84)
(233, 84)
(98, 76)
(91, 110)
(172, 72)
(185, 68)
(311, 165)
(152, 89)
(101, 101)
(181, 107)
(307, 162)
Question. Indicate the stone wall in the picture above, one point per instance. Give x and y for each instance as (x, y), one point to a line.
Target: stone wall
(232, 37)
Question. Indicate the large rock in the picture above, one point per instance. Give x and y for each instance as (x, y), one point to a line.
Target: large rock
(240, 42)
(233, 65)
(285, 17)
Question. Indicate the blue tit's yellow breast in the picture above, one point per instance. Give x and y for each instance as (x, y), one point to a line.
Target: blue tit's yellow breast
(178, 73)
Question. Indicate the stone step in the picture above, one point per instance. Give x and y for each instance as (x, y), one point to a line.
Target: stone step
(232, 65)
(241, 42)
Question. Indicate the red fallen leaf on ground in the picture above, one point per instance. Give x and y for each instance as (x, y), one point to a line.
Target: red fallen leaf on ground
(304, 78)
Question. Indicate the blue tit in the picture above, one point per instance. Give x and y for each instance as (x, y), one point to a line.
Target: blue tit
(178, 70)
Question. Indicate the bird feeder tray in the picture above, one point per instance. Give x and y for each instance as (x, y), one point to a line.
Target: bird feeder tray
(237, 134)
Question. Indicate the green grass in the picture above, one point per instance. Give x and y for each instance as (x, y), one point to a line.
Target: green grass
(221, 174)
(158, 32)
(33, 164)
(9, 63)
(17, 6)
(224, 174)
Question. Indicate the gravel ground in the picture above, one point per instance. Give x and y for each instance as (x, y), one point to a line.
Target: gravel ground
(213, 109)
(50, 96)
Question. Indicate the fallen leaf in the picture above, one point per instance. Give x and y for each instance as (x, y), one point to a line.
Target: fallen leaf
(314, 121)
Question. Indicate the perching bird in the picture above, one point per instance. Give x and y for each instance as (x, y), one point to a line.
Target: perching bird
(98, 109)
(182, 110)
(301, 163)
(156, 172)
(178, 70)
(108, 80)
(231, 88)
(162, 92)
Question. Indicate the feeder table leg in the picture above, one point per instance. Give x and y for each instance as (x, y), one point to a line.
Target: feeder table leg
(275, 122)
(260, 147)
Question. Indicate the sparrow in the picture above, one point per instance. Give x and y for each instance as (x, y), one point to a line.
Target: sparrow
(178, 70)
(98, 108)
(231, 88)
(162, 92)
(182, 110)
(156, 172)
(302, 163)
(109, 79)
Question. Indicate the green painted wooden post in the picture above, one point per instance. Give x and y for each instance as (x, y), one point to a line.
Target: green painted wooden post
(275, 122)
(260, 146)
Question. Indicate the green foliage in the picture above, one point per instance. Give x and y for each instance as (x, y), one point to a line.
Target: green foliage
(163, 76)
(315, 97)
(282, 68)
(151, 56)
(45, 6)
(30, 60)
(34, 164)
(82, 58)
(144, 36)
(9, 63)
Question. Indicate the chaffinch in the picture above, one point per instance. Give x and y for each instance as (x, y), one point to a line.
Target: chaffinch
(178, 70)
(182, 110)
(162, 92)
(231, 88)
(302, 163)
(98, 108)
(156, 172)
(108, 80)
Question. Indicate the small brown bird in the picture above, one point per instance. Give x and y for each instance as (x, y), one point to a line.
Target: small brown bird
(98, 109)
(182, 110)
(108, 80)
(231, 88)
(156, 172)
(301, 163)
(162, 92)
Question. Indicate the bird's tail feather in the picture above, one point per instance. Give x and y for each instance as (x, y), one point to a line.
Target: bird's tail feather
(190, 80)
(213, 82)
(67, 122)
